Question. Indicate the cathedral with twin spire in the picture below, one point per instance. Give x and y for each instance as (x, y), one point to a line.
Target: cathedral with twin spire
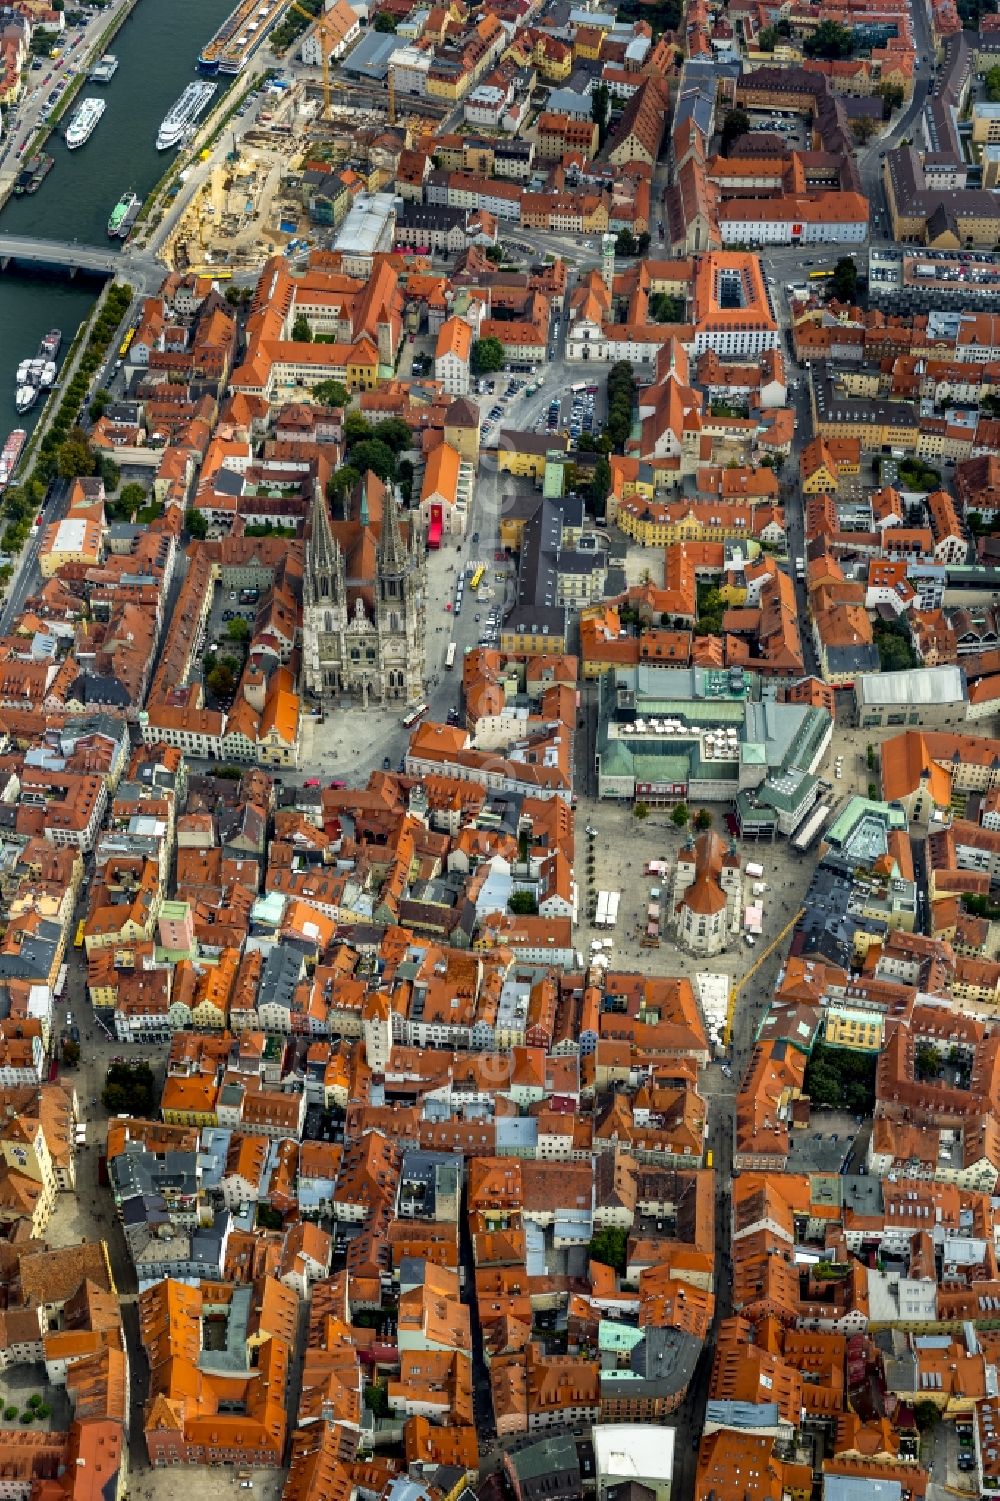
(363, 599)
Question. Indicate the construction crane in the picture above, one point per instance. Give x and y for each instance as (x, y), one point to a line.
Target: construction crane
(322, 26)
(736, 990)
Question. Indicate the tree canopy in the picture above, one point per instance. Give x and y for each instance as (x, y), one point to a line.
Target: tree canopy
(610, 1246)
(331, 393)
(75, 456)
(830, 40)
(843, 1078)
(128, 1089)
(843, 284)
(665, 308)
(736, 124)
(600, 108)
(621, 390)
(372, 454)
(487, 356)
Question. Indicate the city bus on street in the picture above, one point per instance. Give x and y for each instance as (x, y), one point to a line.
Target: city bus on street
(410, 719)
(477, 577)
(81, 929)
(820, 275)
(449, 660)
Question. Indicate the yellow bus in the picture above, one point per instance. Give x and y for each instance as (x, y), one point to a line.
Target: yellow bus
(124, 345)
(820, 275)
(477, 577)
(81, 928)
(708, 1159)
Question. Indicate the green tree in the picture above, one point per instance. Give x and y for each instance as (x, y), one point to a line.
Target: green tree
(711, 608)
(128, 501)
(301, 332)
(863, 128)
(735, 124)
(600, 109)
(610, 1246)
(404, 479)
(42, 1412)
(993, 85)
(221, 681)
(237, 630)
(843, 284)
(113, 1096)
(663, 308)
(523, 903)
(600, 485)
(830, 40)
(331, 393)
(926, 1415)
(626, 243)
(679, 815)
(71, 1053)
(34, 1400)
(196, 524)
(641, 811)
(394, 433)
(10, 1413)
(487, 356)
(342, 482)
(376, 456)
(927, 1061)
(109, 473)
(99, 403)
(621, 391)
(75, 456)
(891, 95)
(767, 38)
(703, 819)
(843, 1077)
(384, 22)
(376, 1396)
(895, 652)
(356, 427)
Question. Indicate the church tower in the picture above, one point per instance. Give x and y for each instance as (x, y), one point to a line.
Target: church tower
(399, 610)
(324, 603)
(608, 261)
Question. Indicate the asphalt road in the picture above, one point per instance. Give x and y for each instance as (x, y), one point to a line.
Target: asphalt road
(78, 54)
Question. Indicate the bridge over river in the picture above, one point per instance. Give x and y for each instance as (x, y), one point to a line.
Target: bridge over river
(71, 256)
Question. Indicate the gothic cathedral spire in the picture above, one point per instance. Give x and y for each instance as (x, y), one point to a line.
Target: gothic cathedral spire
(323, 553)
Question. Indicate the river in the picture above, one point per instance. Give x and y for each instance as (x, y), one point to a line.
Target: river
(157, 48)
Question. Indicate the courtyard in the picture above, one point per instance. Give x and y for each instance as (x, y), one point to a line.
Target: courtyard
(25, 1391)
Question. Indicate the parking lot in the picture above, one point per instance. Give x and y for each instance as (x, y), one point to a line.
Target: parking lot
(574, 413)
(498, 394)
(790, 127)
(228, 605)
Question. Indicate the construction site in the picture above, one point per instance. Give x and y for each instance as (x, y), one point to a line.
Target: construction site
(286, 182)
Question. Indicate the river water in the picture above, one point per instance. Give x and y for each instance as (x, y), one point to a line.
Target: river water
(157, 49)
